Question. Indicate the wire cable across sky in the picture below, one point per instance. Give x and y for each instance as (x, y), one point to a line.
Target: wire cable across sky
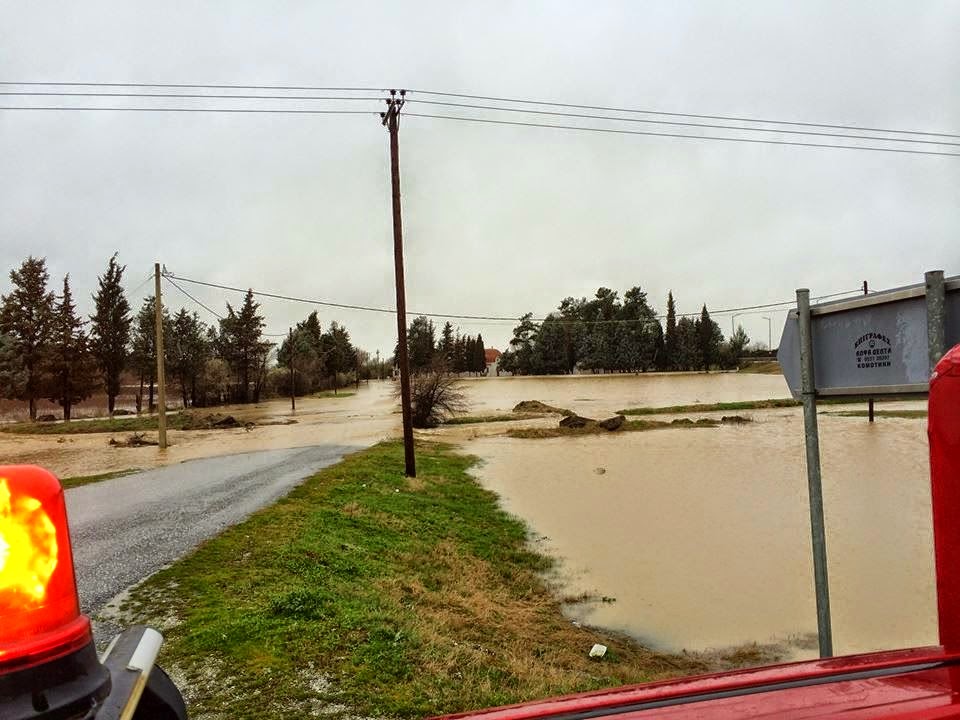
(453, 316)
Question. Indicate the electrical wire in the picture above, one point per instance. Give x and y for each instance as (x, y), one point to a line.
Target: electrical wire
(142, 283)
(191, 96)
(312, 98)
(450, 316)
(679, 114)
(490, 98)
(617, 131)
(209, 309)
(204, 306)
(192, 110)
(679, 123)
(310, 88)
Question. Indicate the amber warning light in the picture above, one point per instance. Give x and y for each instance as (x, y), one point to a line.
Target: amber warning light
(39, 612)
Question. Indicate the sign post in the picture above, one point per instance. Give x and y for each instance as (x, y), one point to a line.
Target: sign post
(814, 487)
(882, 344)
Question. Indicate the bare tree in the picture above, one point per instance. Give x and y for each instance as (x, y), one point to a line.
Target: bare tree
(435, 395)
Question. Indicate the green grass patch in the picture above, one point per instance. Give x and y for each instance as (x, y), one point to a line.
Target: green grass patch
(381, 595)
(708, 407)
(177, 421)
(909, 414)
(87, 479)
(332, 394)
(766, 367)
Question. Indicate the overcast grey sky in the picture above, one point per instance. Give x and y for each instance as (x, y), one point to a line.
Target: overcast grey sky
(498, 220)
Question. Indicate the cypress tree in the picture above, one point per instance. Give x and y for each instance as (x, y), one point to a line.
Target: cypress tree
(71, 364)
(671, 348)
(26, 315)
(110, 329)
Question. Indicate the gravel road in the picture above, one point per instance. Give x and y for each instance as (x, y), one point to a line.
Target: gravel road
(126, 528)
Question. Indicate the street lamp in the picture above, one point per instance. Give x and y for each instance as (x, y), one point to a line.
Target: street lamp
(769, 334)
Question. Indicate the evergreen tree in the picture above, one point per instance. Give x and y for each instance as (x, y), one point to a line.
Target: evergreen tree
(480, 356)
(421, 343)
(671, 347)
(339, 352)
(143, 350)
(688, 355)
(552, 347)
(189, 352)
(521, 360)
(26, 315)
(110, 329)
(709, 339)
(445, 346)
(458, 352)
(242, 345)
(71, 364)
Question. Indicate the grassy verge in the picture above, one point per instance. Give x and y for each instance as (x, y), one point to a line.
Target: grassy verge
(911, 414)
(101, 425)
(768, 367)
(705, 407)
(87, 479)
(332, 394)
(474, 419)
(365, 592)
(629, 426)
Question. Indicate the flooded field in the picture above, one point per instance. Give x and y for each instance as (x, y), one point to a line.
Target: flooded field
(598, 394)
(702, 535)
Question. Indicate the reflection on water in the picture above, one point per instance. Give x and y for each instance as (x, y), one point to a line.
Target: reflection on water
(702, 535)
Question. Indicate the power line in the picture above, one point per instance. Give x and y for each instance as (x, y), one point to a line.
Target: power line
(208, 308)
(193, 110)
(515, 101)
(682, 124)
(450, 316)
(310, 88)
(680, 114)
(681, 135)
(312, 98)
(204, 306)
(187, 96)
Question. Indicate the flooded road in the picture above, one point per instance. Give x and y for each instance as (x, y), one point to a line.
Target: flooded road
(702, 535)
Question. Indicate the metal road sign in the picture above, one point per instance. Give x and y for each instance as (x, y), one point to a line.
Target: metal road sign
(877, 344)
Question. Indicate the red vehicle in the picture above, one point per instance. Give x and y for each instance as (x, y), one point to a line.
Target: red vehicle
(917, 683)
(49, 669)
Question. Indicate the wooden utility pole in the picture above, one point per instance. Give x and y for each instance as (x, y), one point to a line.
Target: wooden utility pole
(161, 375)
(379, 369)
(870, 400)
(293, 375)
(391, 120)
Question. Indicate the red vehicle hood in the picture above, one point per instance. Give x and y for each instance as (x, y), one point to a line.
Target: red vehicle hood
(914, 683)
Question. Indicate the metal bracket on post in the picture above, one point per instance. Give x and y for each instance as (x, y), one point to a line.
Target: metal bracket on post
(936, 316)
(812, 442)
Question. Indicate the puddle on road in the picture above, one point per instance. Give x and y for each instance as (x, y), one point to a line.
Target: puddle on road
(702, 535)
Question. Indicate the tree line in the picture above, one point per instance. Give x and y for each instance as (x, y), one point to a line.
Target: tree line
(48, 351)
(607, 334)
(454, 352)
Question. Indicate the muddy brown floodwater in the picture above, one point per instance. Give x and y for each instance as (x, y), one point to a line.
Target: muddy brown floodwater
(598, 394)
(702, 535)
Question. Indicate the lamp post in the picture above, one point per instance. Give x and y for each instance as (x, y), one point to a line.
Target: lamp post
(769, 334)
